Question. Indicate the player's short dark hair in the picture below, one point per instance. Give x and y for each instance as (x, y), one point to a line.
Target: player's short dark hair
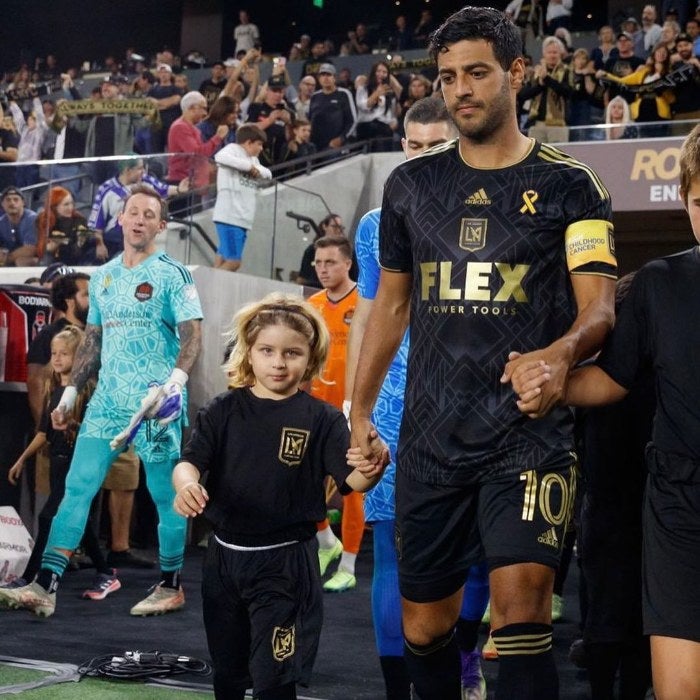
(250, 132)
(339, 242)
(429, 110)
(65, 288)
(141, 188)
(474, 23)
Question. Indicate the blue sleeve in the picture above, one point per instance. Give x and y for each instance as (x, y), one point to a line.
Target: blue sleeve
(367, 252)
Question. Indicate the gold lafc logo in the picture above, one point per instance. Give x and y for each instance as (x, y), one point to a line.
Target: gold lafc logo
(283, 643)
(472, 234)
(293, 446)
(478, 198)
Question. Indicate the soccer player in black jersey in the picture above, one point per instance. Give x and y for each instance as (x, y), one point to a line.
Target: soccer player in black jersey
(655, 330)
(491, 245)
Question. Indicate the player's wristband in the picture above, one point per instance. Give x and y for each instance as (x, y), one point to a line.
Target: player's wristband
(178, 376)
(68, 397)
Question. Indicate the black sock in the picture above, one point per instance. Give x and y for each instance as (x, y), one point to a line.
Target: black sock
(435, 668)
(170, 579)
(48, 580)
(603, 660)
(396, 680)
(635, 670)
(526, 669)
(467, 634)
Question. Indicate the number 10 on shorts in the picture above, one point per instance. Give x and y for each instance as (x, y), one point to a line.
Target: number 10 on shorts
(546, 491)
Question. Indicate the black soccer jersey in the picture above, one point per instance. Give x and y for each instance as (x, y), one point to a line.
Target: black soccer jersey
(656, 328)
(490, 251)
(267, 461)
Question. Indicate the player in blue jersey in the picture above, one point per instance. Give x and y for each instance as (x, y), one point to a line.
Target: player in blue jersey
(143, 328)
(489, 244)
(426, 124)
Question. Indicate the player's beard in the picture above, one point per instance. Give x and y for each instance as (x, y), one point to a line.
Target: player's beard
(493, 117)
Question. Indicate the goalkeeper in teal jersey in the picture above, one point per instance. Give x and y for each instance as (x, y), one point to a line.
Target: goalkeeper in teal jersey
(143, 336)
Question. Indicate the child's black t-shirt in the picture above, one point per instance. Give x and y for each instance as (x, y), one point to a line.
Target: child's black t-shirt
(266, 461)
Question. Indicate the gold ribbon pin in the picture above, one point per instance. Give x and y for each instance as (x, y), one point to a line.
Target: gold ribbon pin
(529, 197)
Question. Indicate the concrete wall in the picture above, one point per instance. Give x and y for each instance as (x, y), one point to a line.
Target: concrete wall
(275, 244)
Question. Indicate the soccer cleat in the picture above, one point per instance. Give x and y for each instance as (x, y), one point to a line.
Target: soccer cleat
(162, 600)
(489, 651)
(486, 617)
(473, 681)
(30, 597)
(326, 556)
(102, 586)
(339, 582)
(557, 607)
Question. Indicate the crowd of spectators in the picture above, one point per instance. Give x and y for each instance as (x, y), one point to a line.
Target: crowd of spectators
(653, 67)
(148, 107)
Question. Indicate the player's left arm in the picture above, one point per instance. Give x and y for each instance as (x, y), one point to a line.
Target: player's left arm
(190, 344)
(595, 300)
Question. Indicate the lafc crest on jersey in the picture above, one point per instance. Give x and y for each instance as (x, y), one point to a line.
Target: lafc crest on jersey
(293, 444)
(283, 643)
(472, 234)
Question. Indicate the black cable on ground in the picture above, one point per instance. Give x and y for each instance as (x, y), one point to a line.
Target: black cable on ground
(137, 665)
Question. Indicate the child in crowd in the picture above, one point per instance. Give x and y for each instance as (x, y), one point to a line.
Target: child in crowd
(299, 145)
(238, 173)
(266, 447)
(654, 329)
(61, 444)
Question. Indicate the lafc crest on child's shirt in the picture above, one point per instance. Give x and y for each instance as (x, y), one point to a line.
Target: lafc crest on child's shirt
(293, 444)
(283, 643)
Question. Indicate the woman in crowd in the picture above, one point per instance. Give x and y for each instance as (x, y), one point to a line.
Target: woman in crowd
(224, 111)
(618, 112)
(418, 87)
(584, 97)
(377, 98)
(62, 233)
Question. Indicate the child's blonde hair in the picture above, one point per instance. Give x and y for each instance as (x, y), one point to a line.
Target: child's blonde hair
(690, 161)
(275, 309)
(72, 336)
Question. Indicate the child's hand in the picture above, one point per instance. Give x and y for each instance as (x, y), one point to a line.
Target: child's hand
(532, 377)
(366, 467)
(15, 472)
(191, 499)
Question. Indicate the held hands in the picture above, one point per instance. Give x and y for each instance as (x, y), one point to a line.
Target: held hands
(191, 499)
(539, 379)
(368, 454)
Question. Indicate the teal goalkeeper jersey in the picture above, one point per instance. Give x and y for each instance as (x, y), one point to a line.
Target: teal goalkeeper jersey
(138, 309)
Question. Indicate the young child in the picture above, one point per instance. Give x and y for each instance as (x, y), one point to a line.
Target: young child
(266, 447)
(61, 445)
(238, 173)
(655, 329)
(299, 145)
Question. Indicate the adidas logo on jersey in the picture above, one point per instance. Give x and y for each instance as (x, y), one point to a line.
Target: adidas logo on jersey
(549, 538)
(479, 198)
